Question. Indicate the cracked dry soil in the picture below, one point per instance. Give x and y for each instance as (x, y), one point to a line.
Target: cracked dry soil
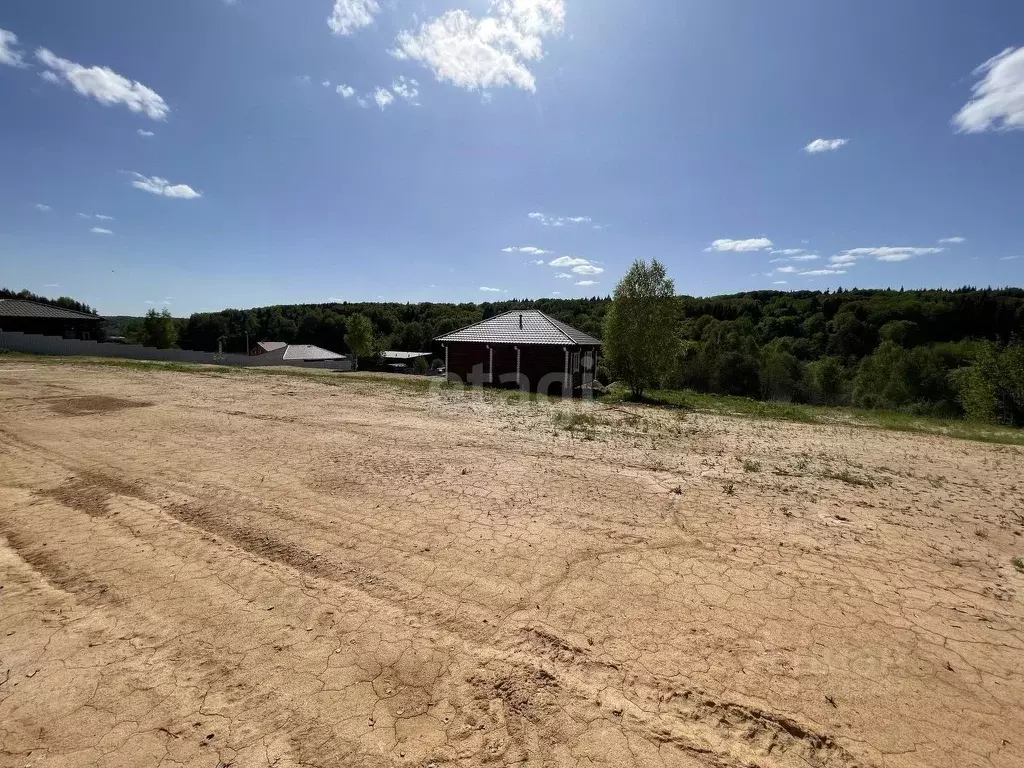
(254, 570)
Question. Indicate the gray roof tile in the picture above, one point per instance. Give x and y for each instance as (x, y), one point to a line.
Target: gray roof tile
(309, 352)
(535, 328)
(20, 308)
(270, 346)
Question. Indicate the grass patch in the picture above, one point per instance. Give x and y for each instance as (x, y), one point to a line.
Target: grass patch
(1018, 563)
(583, 423)
(846, 476)
(751, 466)
(726, 405)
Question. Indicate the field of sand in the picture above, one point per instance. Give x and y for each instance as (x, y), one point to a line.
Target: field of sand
(208, 569)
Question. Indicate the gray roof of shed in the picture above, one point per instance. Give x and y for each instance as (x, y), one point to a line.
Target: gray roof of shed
(270, 346)
(537, 328)
(309, 352)
(22, 308)
(392, 355)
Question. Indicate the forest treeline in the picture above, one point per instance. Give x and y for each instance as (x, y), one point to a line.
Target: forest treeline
(934, 352)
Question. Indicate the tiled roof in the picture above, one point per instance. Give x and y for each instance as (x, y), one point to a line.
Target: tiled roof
(20, 308)
(521, 326)
(309, 352)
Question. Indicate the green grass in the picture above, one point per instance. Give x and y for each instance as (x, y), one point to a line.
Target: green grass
(815, 414)
(849, 478)
(1018, 563)
(575, 421)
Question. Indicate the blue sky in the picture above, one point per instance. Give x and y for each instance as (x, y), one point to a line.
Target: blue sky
(263, 151)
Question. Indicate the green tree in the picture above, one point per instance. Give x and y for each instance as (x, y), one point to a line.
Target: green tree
(639, 328)
(902, 332)
(360, 337)
(781, 374)
(826, 380)
(883, 378)
(159, 330)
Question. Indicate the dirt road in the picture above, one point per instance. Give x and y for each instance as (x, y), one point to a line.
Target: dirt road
(255, 570)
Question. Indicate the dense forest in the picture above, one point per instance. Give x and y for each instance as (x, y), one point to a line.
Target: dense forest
(940, 352)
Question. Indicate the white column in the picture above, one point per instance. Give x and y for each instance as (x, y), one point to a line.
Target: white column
(447, 376)
(519, 378)
(490, 377)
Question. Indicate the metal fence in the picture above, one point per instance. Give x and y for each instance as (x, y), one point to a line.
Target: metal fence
(36, 344)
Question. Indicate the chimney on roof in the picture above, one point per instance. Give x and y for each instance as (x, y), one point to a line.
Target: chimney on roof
(520, 322)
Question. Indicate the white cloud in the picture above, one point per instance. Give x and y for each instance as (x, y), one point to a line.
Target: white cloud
(105, 85)
(537, 263)
(529, 249)
(101, 217)
(801, 257)
(1008, 258)
(383, 98)
(408, 89)
(885, 253)
(953, 240)
(100, 231)
(157, 186)
(326, 83)
(488, 52)
(43, 207)
(787, 251)
(147, 134)
(8, 54)
(787, 270)
(558, 221)
(351, 15)
(998, 102)
(568, 261)
(588, 269)
(50, 77)
(816, 272)
(485, 289)
(345, 91)
(587, 282)
(755, 244)
(778, 282)
(818, 146)
(564, 276)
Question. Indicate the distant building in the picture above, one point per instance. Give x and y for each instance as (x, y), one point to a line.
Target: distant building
(306, 353)
(403, 362)
(525, 349)
(266, 346)
(48, 320)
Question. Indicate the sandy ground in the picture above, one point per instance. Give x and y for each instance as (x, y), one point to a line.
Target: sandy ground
(255, 570)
